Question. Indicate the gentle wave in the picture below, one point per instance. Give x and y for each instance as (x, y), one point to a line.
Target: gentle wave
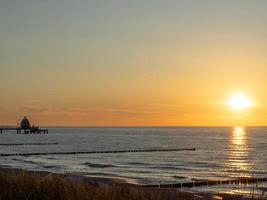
(97, 165)
(179, 177)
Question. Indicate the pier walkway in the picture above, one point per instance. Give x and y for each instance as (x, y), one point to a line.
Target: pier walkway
(23, 131)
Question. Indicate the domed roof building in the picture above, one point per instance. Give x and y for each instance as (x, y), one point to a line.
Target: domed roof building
(25, 124)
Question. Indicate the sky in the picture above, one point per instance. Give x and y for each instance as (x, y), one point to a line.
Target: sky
(132, 62)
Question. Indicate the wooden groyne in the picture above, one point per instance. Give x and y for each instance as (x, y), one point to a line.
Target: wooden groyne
(238, 181)
(23, 144)
(95, 152)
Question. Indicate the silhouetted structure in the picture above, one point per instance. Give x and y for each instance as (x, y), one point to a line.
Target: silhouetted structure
(25, 127)
(25, 124)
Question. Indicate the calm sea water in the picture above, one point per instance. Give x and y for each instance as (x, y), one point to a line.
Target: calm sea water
(221, 153)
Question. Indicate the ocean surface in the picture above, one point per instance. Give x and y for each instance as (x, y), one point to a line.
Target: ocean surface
(221, 153)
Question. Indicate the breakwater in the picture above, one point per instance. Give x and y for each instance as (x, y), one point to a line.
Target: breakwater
(237, 181)
(30, 144)
(96, 152)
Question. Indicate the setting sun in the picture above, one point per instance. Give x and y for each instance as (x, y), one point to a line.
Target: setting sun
(129, 99)
(239, 102)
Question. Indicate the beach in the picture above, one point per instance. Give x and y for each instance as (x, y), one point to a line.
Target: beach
(21, 184)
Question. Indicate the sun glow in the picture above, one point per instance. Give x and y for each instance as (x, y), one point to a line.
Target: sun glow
(239, 102)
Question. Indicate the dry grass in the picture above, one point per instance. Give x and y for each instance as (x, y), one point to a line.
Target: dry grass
(21, 185)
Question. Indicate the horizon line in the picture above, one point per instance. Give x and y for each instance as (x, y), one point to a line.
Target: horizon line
(142, 126)
(152, 126)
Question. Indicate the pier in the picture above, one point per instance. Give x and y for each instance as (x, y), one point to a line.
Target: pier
(24, 128)
(24, 131)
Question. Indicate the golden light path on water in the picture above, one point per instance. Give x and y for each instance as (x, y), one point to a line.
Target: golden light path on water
(239, 152)
(239, 137)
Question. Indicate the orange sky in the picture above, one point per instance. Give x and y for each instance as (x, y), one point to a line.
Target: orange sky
(125, 63)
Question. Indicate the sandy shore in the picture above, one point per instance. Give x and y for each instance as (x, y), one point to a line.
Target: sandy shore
(118, 186)
(74, 177)
(46, 185)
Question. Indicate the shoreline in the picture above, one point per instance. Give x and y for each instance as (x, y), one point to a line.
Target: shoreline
(101, 183)
(116, 184)
(22, 184)
(75, 177)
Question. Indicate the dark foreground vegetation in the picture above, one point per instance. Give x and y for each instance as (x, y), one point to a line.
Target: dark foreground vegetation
(22, 185)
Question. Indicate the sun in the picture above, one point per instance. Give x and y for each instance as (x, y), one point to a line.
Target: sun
(239, 102)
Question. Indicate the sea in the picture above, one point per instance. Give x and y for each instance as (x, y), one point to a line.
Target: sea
(222, 153)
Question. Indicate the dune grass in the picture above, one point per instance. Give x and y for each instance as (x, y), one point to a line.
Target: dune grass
(22, 185)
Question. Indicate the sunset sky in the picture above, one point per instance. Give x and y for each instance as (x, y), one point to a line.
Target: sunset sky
(132, 62)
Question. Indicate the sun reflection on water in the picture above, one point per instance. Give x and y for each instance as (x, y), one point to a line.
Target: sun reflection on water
(239, 137)
(238, 156)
